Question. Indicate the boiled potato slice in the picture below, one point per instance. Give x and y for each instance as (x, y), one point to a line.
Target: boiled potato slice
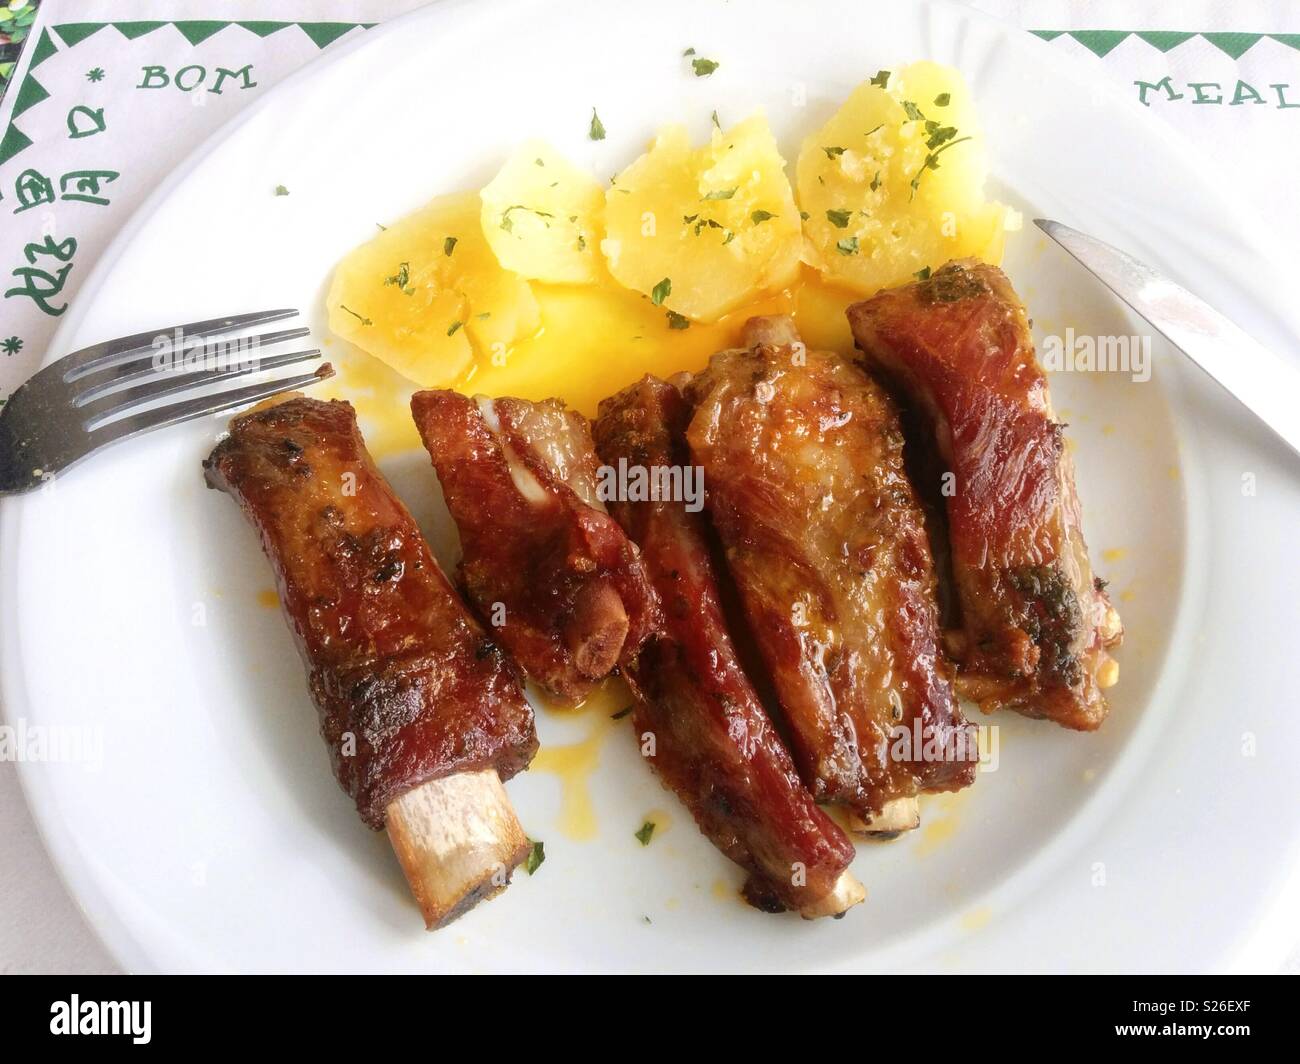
(703, 230)
(427, 295)
(893, 184)
(544, 217)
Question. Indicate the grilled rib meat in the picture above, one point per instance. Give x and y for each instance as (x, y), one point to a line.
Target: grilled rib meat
(1035, 623)
(409, 688)
(714, 745)
(802, 456)
(543, 563)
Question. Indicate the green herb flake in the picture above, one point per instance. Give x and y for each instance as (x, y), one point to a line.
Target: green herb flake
(716, 124)
(923, 274)
(597, 128)
(847, 246)
(759, 217)
(839, 219)
(803, 215)
(661, 291)
(538, 162)
(536, 855)
(943, 99)
(875, 181)
(280, 190)
(359, 317)
(932, 162)
(703, 67)
(678, 321)
(689, 51)
(913, 112)
(448, 246)
(832, 153)
(454, 328)
(647, 830)
(720, 194)
(402, 278)
(881, 80)
(508, 224)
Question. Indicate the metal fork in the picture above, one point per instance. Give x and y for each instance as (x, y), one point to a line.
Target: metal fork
(75, 406)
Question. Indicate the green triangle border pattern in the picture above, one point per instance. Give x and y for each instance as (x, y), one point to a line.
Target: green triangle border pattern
(32, 92)
(1233, 45)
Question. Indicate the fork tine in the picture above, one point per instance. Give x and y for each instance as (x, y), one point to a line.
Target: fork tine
(190, 409)
(88, 359)
(132, 368)
(97, 413)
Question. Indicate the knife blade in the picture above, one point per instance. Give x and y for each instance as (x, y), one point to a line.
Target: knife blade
(1248, 371)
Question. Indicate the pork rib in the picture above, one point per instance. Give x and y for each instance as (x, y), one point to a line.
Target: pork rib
(714, 745)
(543, 563)
(802, 456)
(422, 712)
(1036, 624)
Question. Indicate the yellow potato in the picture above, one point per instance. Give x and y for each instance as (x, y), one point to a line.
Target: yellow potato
(894, 183)
(703, 230)
(543, 217)
(427, 295)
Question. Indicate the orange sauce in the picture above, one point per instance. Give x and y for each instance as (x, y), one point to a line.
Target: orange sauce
(594, 340)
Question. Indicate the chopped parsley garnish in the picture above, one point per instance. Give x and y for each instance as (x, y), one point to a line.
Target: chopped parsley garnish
(454, 327)
(720, 194)
(402, 278)
(803, 215)
(881, 80)
(626, 709)
(875, 130)
(448, 246)
(923, 274)
(582, 242)
(360, 318)
(847, 246)
(647, 829)
(689, 51)
(536, 855)
(703, 67)
(875, 181)
(759, 217)
(716, 123)
(938, 138)
(538, 162)
(508, 224)
(832, 153)
(280, 190)
(932, 162)
(382, 227)
(943, 99)
(678, 321)
(661, 291)
(839, 219)
(597, 128)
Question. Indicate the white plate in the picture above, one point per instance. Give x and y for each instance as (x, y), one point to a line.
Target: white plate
(213, 836)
